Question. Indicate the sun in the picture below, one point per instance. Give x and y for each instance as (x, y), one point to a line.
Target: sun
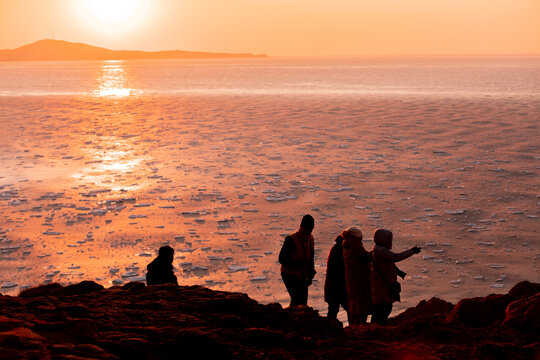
(113, 13)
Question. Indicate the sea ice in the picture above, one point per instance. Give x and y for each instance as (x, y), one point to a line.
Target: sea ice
(144, 254)
(8, 285)
(199, 267)
(142, 205)
(455, 212)
(130, 274)
(235, 268)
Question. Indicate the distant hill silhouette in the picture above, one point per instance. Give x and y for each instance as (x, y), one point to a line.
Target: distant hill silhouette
(65, 50)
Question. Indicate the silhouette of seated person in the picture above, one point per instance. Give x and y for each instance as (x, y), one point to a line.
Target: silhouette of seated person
(160, 270)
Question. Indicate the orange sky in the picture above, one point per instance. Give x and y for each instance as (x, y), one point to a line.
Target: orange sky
(288, 27)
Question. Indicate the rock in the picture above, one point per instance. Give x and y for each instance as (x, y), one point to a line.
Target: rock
(478, 312)
(84, 287)
(22, 343)
(43, 290)
(133, 286)
(199, 343)
(168, 322)
(524, 289)
(266, 338)
(92, 351)
(425, 309)
(524, 314)
(8, 324)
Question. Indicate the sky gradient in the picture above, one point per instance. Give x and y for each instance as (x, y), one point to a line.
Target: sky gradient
(288, 28)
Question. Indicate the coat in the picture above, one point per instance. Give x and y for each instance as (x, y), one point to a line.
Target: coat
(297, 256)
(384, 260)
(160, 271)
(357, 276)
(335, 291)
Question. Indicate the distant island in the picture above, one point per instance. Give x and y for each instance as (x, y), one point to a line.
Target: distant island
(57, 50)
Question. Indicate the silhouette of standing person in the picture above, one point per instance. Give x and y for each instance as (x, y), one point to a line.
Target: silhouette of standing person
(297, 261)
(160, 270)
(335, 292)
(357, 275)
(384, 273)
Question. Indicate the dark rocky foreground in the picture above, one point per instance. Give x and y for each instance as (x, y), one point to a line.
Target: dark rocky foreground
(85, 321)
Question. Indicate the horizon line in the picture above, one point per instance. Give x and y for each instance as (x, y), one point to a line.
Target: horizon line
(370, 55)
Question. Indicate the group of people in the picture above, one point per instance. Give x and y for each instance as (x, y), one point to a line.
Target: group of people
(362, 282)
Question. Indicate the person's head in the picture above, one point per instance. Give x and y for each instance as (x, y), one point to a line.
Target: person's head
(383, 237)
(352, 233)
(166, 253)
(307, 224)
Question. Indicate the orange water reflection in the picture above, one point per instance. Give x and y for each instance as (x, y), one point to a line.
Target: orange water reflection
(114, 81)
(113, 163)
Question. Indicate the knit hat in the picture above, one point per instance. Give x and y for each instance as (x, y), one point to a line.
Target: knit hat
(352, 232)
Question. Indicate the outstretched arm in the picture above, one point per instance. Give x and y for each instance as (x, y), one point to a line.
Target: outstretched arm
(390, 256)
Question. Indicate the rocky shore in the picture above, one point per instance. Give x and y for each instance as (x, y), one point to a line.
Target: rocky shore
(86, 321)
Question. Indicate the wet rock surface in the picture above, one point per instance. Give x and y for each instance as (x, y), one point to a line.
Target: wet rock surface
(86, 321)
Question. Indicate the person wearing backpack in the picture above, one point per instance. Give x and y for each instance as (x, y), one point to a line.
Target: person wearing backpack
(384, 286)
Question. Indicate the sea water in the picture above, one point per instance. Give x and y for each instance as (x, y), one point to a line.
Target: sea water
(104, 162)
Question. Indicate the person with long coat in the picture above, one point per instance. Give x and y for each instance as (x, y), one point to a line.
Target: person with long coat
(383, 273)
(335, 291)
(357, 275)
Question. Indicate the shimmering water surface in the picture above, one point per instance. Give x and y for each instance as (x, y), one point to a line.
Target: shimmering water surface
(435, 76)
(103, 162)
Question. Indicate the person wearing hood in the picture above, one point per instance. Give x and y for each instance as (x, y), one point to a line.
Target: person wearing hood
(297, 261)
(357, 275)
(384, 273)
(335, 291)
(160, 270)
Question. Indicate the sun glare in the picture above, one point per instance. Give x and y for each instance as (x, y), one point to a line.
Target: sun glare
(114, 13)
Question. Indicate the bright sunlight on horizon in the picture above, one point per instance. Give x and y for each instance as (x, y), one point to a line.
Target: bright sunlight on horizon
(279, 27)
(113, 15)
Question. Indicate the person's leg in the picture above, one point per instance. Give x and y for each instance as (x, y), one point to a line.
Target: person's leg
(355, 319)
(294, 288)
(361, 318)
(381, 313)
(302, 292)
(333, 309)
(386, 313)
(290, 285)
(377, 314)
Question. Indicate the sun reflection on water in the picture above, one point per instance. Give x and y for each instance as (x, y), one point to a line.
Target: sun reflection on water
(112, 163)
(113, 80)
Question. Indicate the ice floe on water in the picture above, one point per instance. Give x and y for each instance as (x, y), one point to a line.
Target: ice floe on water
(455, 212)
(235, 268)
(225, 184)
